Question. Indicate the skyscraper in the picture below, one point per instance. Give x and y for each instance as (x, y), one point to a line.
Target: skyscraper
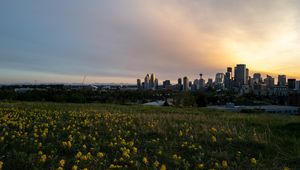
(201, 81)
(209, 82)
(291, 84)
(257, 78)
(185, 84)
(166, 83)
(139, 83)
(228, 78)
(219, 81)
(269, 81)
(155, 84)
(240, 75)
(146, 82)
(179, 84)
(281, 80)
(152, 81)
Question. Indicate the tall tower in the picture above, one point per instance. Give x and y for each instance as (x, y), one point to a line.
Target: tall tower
(152, 81)
(147, 82)
(240, 75)
(228, 78)
(201, 81)
(281, 80)
(139, 83)
(185, 84)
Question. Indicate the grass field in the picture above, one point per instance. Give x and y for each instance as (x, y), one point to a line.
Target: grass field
(101, 136)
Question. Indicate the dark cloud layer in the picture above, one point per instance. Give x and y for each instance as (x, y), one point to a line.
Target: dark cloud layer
(115, 40)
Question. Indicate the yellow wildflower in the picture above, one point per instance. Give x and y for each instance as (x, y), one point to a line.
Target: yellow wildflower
(213, 139)
(78, 155)
(156, 164)
(286, 168)
(1, 164)
(253, 161)
(163, 167)
(200, 165)
(224, 164)
(134, 149)
(75, 167)
(43, 158)
(100, 155)
(180, 133)
(62, 163)
(145, 160)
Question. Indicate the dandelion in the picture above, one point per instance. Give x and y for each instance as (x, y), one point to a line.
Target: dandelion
(163, 167)
(156, 164)
(213, 130)
(200, 165)
(213, 139)
(286, 168)
(62, 163)
(78, 155)
(74, 167)
(145, 160)
(224, 164)
(100, 155)
(1, 165)
(134, 149)
(180, 133)
(253, 161)
(43, 158)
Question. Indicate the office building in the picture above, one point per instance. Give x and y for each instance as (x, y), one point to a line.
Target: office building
(185, 84)
(269, 81)
(155, 84)
(257, 78)
(201, 82)
(281, 80)
(210, 82)
(147, 82)
(240, 75)
(166, 84)
(291, 84)
(228, 78)
(219, 81)
(139, 83)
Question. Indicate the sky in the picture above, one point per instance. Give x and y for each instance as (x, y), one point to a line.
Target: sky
(63, 41)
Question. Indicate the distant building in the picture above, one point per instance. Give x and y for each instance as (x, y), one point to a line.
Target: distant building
(228, 78)
(257, 78)
(201, 82)
(291, 84)
(166, 83)
(139, 83)
(281, 80)
(152, 81)
(185, 84)
(298, 86)
(240, 75)
(269, 81)
(155, 84)
(210, 82)
(219, 81)
(179, 84)
(147, 82)
(247, 76)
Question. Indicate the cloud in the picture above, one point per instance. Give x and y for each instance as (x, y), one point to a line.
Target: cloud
(171, 38)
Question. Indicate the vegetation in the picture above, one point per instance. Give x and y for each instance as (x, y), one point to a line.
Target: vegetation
(37, 135)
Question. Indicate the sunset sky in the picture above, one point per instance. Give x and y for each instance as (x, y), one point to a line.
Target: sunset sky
(119, 41)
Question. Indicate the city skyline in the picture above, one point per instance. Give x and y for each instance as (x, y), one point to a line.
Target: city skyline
(106, 42)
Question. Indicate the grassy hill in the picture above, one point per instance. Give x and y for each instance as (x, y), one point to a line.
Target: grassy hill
(37, 135)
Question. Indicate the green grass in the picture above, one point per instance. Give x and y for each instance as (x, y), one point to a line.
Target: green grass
(273, 140)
